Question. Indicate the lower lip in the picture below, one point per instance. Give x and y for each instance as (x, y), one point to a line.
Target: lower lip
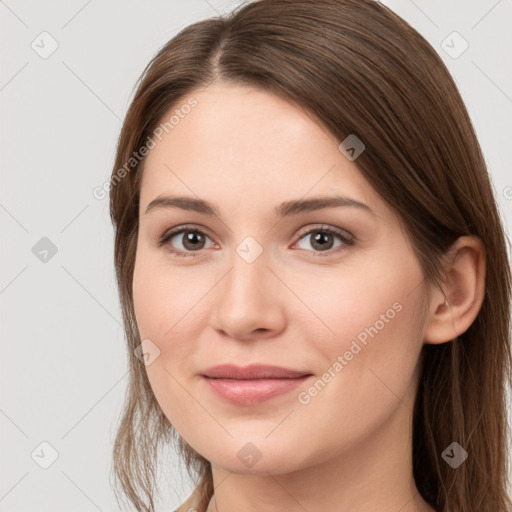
(252, 391)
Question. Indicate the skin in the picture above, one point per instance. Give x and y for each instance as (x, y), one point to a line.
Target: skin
(349, 448)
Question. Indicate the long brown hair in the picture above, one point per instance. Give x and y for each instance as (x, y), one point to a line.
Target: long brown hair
(359, 69)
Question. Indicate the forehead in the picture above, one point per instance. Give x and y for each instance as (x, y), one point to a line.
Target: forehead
(242, 141)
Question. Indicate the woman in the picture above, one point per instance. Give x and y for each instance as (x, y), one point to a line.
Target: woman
(312, 270)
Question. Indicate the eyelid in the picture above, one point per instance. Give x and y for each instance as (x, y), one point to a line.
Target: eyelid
(184, 227)
(164, 239)
(348, 240)
(343, 233)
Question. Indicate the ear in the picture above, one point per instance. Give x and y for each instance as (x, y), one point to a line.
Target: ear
(453, 309)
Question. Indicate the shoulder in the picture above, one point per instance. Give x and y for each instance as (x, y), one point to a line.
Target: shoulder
(191, 504)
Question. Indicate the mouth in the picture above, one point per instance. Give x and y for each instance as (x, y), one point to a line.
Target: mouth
(254, 384)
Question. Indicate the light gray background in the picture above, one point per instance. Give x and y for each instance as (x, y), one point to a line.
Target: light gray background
(63, 364)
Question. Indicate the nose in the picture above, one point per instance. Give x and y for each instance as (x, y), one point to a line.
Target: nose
(249, 301)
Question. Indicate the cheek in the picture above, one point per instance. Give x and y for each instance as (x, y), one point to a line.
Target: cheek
(368, 366)
(352, 303)
(376, 318)
(169, 312)
(163, 298)
(370, 316)
(163, 303)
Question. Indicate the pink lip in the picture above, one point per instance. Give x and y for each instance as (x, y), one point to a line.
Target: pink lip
(253, 384)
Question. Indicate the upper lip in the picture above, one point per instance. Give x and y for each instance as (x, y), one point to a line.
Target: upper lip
(253, 371)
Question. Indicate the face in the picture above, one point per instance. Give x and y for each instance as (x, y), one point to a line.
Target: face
(334, 293)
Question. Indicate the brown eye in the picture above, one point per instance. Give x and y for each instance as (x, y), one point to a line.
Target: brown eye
(322, 241)
(184, 241)
(193, 240)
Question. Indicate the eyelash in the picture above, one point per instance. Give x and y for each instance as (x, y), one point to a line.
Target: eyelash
(348, 241)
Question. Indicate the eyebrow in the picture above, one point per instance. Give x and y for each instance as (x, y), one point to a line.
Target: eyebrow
(285, 209)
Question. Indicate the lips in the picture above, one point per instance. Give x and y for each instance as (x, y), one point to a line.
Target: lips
(253, 384)
(253, 371)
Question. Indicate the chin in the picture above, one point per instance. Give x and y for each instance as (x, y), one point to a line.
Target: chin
(255, 459)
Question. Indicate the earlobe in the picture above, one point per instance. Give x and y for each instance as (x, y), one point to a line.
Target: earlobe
(453, 309)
